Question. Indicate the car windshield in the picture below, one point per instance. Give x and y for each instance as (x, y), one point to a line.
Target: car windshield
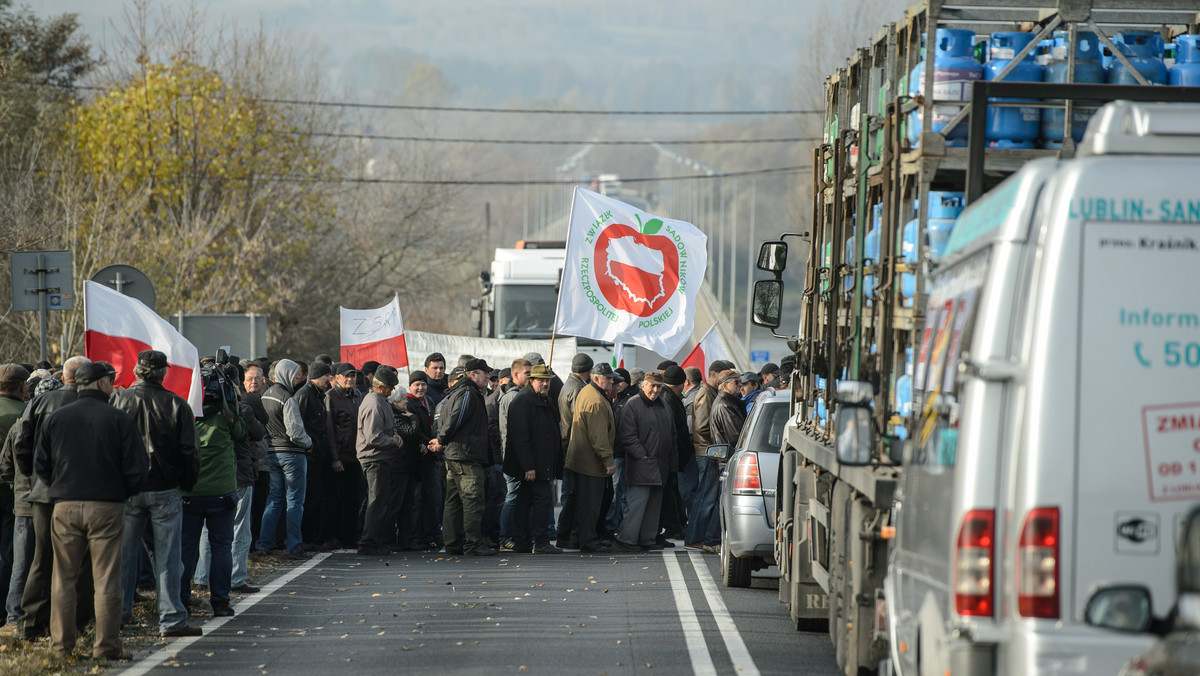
(524, 311)
(764, 430)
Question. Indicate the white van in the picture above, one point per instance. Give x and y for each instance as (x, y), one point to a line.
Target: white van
(1055, 435)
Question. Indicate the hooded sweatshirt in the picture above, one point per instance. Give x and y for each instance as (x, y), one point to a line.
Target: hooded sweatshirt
(285, 427)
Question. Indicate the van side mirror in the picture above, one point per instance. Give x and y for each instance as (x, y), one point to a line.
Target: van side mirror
(853, 424)
(772, 256)
(768, 303)
(1124, 608)
(718, 452)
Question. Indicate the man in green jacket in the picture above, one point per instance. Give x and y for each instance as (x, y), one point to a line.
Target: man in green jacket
(213, 500)
(590, 453)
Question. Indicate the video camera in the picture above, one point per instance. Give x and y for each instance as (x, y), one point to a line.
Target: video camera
(217, 381)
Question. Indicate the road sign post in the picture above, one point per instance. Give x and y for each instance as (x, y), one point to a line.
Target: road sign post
(42, 281)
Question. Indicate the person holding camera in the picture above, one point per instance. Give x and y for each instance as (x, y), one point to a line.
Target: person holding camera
(213, 500)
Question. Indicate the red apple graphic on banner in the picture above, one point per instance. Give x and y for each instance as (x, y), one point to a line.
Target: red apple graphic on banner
(637, 270)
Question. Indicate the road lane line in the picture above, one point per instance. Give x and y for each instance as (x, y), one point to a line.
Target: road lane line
(174, 646)
(692, 632)
(729, 632)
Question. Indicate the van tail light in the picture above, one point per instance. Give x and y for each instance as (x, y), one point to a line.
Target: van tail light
(1037, 564)
(974, 553)
(745, 476)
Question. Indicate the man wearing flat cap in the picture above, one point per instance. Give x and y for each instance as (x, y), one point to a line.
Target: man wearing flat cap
(345, 493)
(461, 426)
(531, 458)
(703, 475)
(91, 457)
(749, 388)
(310, 399)
(581, 376)
(728, 412)
(770, 374)
(590, 458)
(168, 429)
(647, 432)
(378, 448)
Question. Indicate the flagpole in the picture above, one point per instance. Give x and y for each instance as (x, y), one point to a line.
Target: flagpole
(558, 303)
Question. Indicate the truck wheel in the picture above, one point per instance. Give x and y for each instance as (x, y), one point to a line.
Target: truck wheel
(735, 572)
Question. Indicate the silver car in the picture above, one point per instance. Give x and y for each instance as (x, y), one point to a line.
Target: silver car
(748, 492)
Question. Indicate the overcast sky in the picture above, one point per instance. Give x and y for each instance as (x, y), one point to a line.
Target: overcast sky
(584, 35)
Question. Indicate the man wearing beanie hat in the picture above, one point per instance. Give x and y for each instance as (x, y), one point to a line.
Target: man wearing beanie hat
(581, 375)
(168, 430)
(461, 426)
(673, 515)
(310, 399)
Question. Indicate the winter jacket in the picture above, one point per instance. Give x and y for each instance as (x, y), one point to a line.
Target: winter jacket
(13, 476)
(436, 391)
(461, 424)
(593, 431)
(510, 392)
(254, 402)
(619, 404)
(341, 422)
(30, 426)
(89, 450)
(285, 427)
(218, 454)
(566, 406)
(495, 440)
(408, 426)
(168, 429)
(310, 399)
(728, 416)
(683, 436)
(247, 447)
(648, 436)
(11, 408)
(532, 436)
(419, 408)
(702, 435)
(375, 439)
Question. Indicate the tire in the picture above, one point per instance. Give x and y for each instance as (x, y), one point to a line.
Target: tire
(735, 572)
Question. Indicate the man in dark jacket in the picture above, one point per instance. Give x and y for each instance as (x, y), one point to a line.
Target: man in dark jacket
(310, 399)
(345, 494)
(92, 459)
(168, 431)
(728, 412)
(532, 447)
(461, 425)
(704, 473)
(494, 486)
(14, 543)
(289, 444)
(647, 432)
(435, 369)
(430, 499)
(35, 602)
(673, 516)
(377, 446)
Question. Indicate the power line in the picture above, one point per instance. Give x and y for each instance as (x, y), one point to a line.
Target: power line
(504, 111)
(466, 182)
(423, 139)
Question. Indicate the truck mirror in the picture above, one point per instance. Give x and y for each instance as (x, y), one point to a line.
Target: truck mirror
(772, 256)
(1124, 608)
(718, 452)
(768, 302)
(1187, 556)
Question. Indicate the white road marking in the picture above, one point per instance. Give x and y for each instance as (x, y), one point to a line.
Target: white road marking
(174, 646)
(692, 632)
(729, 632)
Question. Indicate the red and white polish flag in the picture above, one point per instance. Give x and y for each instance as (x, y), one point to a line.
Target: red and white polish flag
(709, 349)
(118, 327)
(374, 335)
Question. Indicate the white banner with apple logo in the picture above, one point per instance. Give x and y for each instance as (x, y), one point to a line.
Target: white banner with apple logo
(629, 276)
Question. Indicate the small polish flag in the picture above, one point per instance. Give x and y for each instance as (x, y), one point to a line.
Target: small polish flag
(709, 349)
(618, 358)
(118, 327)
(374, 335)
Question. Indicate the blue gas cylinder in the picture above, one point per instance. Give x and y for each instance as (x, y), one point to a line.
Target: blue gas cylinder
(1186, 71)
(1013, 125)
(944, 208)
(954, 71)
(848, 280)
(871, 244)
(1144, 49)
(1088, 70)
(908, 252)
(819, 409)
(903, 403)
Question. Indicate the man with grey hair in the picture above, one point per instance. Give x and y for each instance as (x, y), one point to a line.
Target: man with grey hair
(92, 459)
(35, 601)
(377, 446)
(168, 430)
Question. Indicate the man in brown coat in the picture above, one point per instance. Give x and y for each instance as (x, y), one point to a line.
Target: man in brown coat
(704, 473)
(590, 454)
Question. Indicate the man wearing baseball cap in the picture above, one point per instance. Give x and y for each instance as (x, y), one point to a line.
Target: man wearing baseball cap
(461, 426)
(531, 458)
(92, 458)
(342, 402)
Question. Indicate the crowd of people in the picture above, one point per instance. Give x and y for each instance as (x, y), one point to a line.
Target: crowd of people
(107, 492)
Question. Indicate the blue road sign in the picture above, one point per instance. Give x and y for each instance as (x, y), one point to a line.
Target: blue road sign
(760, 355)
(54, 300)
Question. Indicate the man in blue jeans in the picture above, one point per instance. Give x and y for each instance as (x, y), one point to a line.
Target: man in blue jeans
(705, 470)
(287, 458)
(166, 422)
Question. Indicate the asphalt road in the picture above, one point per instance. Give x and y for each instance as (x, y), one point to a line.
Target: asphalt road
(660, 612)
